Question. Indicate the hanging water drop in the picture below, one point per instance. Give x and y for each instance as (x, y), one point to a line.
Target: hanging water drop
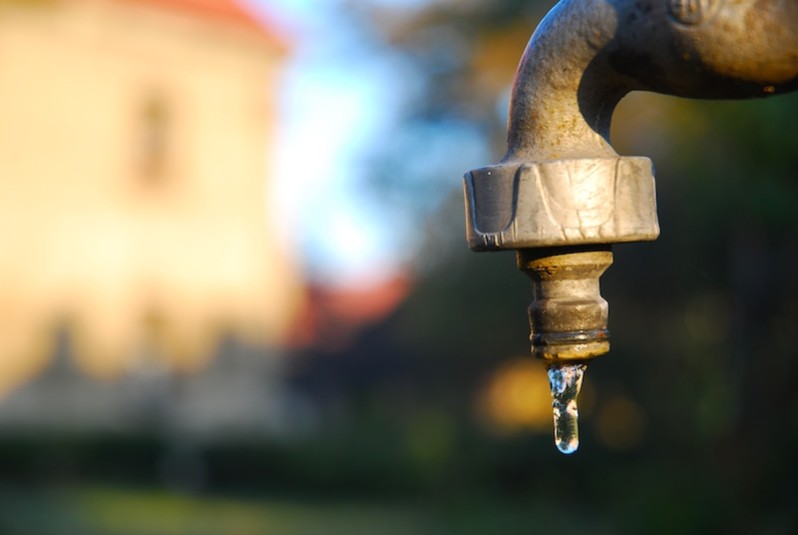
(566, 381)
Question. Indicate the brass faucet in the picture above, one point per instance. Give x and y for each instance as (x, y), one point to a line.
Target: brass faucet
(562, 195)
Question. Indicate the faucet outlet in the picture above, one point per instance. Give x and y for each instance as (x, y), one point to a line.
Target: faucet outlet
(568, 316)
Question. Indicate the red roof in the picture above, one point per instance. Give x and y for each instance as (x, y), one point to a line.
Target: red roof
(333, 316)
(228, 11)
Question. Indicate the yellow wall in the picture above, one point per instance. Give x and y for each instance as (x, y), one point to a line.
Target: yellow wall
(129, 260)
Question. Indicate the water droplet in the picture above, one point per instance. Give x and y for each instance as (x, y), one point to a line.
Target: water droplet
(566, 381)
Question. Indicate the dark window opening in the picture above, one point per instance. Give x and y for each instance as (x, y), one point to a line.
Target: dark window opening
(155, 125)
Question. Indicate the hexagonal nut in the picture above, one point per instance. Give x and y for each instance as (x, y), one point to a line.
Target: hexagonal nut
(561, 202)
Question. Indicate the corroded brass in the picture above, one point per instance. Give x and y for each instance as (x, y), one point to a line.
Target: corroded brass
(561, 202)
(561, 184)
(568, 316)
(586, 55)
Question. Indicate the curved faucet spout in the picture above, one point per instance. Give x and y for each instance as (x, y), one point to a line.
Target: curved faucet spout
(586, 55)
(562, 195)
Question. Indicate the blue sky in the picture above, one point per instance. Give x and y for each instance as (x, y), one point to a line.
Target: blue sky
(336, 101)
(344, 92)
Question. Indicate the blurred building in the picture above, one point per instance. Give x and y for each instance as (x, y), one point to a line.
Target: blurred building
(134, 194)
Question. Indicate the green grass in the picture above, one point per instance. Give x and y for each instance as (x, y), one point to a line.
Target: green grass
(112, 510)
(115, 511)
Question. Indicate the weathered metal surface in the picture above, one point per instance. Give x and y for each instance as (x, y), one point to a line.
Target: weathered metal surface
(561, 184)
(561, 202)
(568, 316)
(586, 55)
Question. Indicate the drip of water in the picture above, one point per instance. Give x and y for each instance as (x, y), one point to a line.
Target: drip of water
(566, 381)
